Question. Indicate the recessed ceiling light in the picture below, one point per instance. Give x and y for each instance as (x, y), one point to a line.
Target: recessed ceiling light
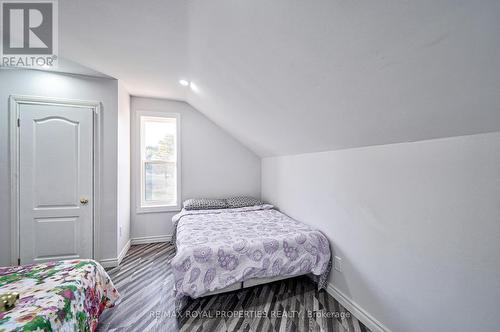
(184, 82)
(194, 87)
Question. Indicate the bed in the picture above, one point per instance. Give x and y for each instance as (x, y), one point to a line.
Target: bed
(56, 296)
(226, 249)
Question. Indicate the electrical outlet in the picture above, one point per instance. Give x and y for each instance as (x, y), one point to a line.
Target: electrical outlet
(337, 263)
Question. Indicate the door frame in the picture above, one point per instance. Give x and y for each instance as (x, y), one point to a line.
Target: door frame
(15, 102)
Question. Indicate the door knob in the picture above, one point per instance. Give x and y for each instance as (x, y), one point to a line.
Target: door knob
(84, 201)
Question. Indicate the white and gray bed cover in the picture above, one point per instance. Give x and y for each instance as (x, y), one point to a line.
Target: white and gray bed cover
(217, 248)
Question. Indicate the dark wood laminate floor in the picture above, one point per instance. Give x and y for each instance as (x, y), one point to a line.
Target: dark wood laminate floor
(145, 282)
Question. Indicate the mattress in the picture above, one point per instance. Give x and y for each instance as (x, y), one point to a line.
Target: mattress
(56, 296)
(219, 248)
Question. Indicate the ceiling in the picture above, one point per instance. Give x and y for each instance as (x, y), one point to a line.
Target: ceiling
(141, 43)
(294, 76)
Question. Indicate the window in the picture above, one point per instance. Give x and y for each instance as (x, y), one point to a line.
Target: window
(159, 167)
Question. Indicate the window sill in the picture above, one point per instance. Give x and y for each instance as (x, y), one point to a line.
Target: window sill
(157, 209)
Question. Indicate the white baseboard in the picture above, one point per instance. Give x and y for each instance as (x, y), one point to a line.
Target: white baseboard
(360, 313)
(113, 262)
(151, 239)
(124, 251)
(109, 262)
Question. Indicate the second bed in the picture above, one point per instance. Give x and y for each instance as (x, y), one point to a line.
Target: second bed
(227, 249)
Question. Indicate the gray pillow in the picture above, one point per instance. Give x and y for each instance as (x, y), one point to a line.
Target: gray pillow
(242, 201)
(204, 204)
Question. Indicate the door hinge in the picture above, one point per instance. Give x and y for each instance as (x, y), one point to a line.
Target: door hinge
(19, 122)
(19, 261)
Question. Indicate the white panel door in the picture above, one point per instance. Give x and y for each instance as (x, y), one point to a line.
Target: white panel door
(55, 182)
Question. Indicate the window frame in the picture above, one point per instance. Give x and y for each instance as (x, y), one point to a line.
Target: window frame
(139, 164)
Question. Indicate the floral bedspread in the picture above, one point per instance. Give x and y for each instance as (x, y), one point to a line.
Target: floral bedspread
(56, 296)
(217, 248)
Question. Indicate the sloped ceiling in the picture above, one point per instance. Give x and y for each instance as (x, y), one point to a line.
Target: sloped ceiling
(141, 43)
(294, 76)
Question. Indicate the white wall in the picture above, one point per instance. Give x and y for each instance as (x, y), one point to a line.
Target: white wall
(416, 224)
(123, 174)
(214, 164)
(40, 83)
